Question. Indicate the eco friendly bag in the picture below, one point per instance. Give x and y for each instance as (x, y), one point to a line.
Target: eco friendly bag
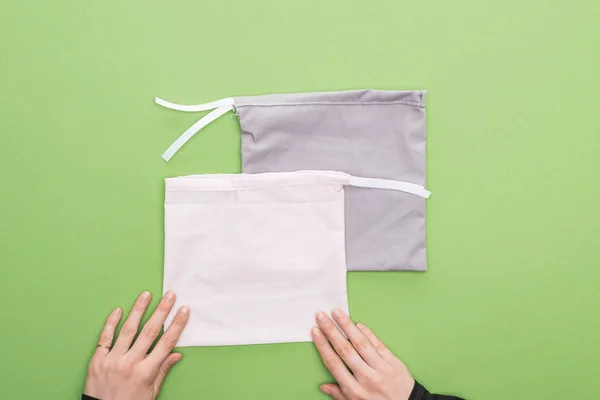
(368, 133)
(256, 256)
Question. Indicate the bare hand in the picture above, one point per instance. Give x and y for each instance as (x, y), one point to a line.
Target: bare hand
(376, 373)
(128, 371)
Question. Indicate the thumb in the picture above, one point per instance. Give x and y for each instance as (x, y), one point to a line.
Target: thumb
(164, 369)
(332, 391)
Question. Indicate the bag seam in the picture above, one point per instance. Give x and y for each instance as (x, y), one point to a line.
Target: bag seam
(333, 103)
(229, 189)
(257, 203)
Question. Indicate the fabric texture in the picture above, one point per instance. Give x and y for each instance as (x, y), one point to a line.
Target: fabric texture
(255, 257)
(367, 133)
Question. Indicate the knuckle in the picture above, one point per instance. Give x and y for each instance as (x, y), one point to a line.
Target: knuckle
(113, 319)
(105, 338)
(149, 332)
(361, 396)
(94, 367)
(350, 392)
(331, 362)
(180, 320)
(355, 393)
(168, 341)
(361, 344)
(363, 328)
(125, 368)
(376, 379)
(164, 369)
(94, 371)
(387, 369)
(344, 350)
(328, 326)
(145, 374)
(104, 365)
(128, 332)
(380, 347)
(164, 305)
(320, 340)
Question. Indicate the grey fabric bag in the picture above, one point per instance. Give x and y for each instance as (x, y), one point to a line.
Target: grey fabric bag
(366, 133)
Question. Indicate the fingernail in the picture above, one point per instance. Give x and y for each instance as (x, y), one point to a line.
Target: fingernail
(337, 312)
(321, 316)
(169, 296)
(325, 389)
(117, 311)
(316, 331)
(146, 295)
(360, 326)
(185, 310)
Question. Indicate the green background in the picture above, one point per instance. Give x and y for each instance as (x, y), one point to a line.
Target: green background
(510, 306)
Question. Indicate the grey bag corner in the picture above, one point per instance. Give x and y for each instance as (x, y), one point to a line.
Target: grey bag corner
(366, 133)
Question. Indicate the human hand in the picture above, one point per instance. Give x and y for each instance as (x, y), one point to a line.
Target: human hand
(376, 373)
(128, 371)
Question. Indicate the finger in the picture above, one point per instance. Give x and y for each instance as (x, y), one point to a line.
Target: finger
(332, 361)
(108, 332)
(341, 345)
(152, 328)
(358, 339)
(169, 339)
(165, 367)
(377, 344)
(333, 391)
(131, 325)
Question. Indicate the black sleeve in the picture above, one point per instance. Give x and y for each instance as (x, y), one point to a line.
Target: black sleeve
(420, 393)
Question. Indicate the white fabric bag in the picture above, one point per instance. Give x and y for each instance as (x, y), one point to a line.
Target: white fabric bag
(256, 256)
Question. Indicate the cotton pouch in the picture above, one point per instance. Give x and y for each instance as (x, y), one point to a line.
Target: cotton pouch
(368, 133)
(256, 256)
